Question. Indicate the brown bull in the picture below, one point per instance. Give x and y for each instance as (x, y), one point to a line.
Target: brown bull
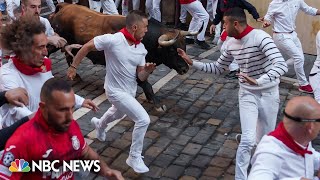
(78, 24)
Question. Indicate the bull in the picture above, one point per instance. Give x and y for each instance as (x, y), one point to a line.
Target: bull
(79, 24)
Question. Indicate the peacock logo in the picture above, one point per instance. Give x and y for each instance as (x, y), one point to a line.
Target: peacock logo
(19, 165)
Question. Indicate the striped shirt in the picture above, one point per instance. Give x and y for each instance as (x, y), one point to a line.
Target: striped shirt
(257, 56)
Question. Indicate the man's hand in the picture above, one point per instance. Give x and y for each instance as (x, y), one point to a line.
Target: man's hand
(71, 73)
(114, 174)
(261, 19)
(247, 79)
(57, 41)
(266, 24)
(149, 67)
(17, 97)
(212, 28)
(184, 56)
(90, 105)
(68, 48)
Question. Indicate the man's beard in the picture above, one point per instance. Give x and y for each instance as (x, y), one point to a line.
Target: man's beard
(58, 127)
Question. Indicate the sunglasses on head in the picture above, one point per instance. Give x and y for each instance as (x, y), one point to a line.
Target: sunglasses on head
(297, 119)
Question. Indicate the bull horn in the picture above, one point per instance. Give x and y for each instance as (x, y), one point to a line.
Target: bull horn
(163, 40)
(187, 33)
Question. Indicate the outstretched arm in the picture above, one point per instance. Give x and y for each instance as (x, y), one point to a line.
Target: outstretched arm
(89, 46)
(214, 68)
(144, 71)
(250, 8)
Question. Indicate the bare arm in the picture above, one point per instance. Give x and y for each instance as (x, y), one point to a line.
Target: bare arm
(17, 97)
(144, 71)
(105, 171)
(89, 46)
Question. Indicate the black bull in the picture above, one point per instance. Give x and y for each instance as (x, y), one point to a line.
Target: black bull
(78, 24)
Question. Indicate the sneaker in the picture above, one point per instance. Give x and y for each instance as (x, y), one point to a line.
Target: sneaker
(306, 89)
(137, 164)
(238, 138)
(215, 40)
(232, 75)
(202, 44)
(189, 41)
(100, 133)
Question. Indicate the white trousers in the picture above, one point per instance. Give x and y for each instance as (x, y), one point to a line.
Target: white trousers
(109, 7)
(95, 5)
(315, 84)
(125, 104)
(290, 45)
(51, 5)
(258, 115)
(153, 7)
(183, 15)
(199, 17)
(117, 3)
(125, 5)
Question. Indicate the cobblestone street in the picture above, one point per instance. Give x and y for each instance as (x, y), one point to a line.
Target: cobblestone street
(194, 139)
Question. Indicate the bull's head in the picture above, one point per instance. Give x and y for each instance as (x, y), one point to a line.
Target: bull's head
(168, 44)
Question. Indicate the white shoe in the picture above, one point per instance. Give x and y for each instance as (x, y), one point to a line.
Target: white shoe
(137, 164)
(100, 133)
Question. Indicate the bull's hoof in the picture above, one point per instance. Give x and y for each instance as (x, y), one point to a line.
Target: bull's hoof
(162, 108)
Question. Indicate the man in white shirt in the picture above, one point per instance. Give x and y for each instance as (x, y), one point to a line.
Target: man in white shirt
(261, 66)
(34, 7)
(125, 62)
(29, 68)
(283, 13)
(314, 76)
(287, 152)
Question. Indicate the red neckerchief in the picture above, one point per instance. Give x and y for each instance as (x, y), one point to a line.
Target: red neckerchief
(38, 117)
(129, 37)
(224, 36)
(282, 135)
(245, 32)
(28, 70)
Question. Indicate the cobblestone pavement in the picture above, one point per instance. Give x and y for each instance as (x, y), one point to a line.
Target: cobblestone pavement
(194, 139)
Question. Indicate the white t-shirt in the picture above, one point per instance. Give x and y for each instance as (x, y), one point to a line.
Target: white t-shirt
(10, 78)
(121, 62)
(49, 29)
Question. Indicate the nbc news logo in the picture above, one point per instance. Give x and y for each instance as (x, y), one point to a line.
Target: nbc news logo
(19, 165)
